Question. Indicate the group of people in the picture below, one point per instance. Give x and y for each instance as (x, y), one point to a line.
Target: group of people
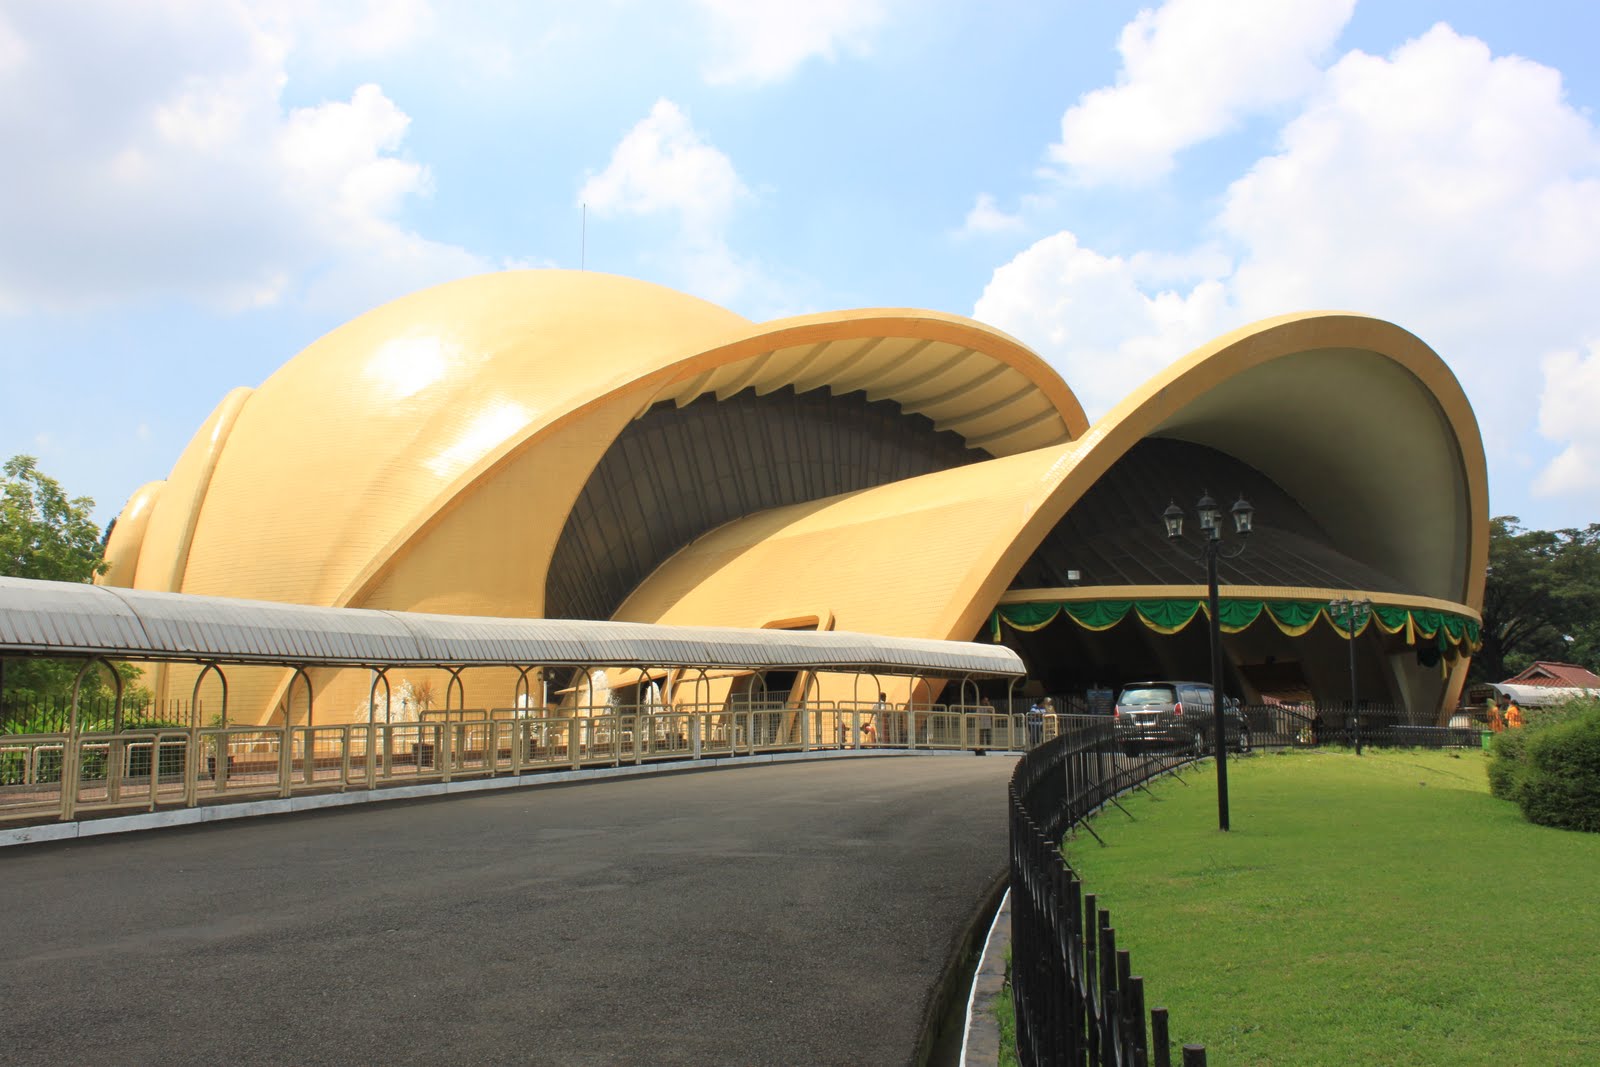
(1504, 714)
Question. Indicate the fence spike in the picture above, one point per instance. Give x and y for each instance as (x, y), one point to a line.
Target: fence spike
(1160, 1042)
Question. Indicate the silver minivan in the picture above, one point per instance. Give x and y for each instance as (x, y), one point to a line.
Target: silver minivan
(1175, 716)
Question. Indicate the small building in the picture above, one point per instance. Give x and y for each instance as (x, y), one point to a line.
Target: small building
(1558, 675)
(1540, 685)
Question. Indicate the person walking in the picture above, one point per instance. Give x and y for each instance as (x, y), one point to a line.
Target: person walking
(1035, 723)
(1513, 715)
(885, 721)
(1497, 720)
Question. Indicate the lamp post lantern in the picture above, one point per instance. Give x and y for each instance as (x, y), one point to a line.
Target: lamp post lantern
(1210, 516)
(1347, 614)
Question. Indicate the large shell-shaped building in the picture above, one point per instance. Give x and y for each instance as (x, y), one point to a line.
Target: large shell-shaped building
(570, 444)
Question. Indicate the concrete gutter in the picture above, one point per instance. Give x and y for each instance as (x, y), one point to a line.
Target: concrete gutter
(981, 1045)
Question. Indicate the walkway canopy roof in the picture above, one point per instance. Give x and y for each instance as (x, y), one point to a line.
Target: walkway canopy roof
(1540, 696)
(64, 619)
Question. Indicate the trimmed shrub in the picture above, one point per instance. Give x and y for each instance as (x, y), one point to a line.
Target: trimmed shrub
(1507, 758)
(1508, 751)
(1559, 780)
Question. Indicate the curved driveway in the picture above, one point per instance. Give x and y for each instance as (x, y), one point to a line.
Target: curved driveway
(779, 914)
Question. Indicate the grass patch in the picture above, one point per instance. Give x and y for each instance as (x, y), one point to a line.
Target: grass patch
(1381, 909)
(1005, 1014)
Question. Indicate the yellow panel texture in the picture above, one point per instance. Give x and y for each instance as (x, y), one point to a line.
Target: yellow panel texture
(169, 531)
(127, 537)
(898, 559)
(386, 418)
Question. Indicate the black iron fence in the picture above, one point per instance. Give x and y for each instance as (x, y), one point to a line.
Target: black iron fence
(1378, 725)
(1077, 999)
(97, 713)
(1307, 725)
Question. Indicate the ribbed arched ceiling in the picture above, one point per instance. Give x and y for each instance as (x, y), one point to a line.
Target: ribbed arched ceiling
(964, 377)
(994, 406)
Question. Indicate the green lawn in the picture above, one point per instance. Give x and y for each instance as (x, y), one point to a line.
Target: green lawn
(1382, 909)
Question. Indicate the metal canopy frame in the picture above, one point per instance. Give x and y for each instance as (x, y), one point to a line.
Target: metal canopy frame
(63, 619)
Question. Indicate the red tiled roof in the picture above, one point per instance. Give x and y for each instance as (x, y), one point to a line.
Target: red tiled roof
(1558, 674)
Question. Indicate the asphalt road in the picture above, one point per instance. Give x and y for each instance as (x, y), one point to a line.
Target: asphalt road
(780, 914)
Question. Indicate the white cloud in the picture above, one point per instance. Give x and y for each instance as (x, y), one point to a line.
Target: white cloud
(337, 30)
(1414, 180)
(987, 218)
(176, 169)
(759, 42)
(664, 165)
(665, 168)
(1190, 70)
(1105, 322)
(1567, 413)
(13, 50)
(1449, 190)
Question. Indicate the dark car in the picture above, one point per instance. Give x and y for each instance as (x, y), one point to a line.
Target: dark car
(1176, 716)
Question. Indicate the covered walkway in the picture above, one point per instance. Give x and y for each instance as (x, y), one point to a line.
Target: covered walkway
(120, 766)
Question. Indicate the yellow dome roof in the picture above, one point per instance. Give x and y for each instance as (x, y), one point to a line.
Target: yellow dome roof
(377, 420)
(314, 487)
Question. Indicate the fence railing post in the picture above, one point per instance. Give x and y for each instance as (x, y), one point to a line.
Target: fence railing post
(286, 761)
(1077, 1000)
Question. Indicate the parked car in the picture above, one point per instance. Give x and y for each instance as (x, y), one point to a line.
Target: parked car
(1176, 716)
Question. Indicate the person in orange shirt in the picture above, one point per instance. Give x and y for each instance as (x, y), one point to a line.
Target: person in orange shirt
(1497, 721)
(1513, 715)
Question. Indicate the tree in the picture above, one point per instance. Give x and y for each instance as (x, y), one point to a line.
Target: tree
(43, 534)
(46, 534)
(1540, 600)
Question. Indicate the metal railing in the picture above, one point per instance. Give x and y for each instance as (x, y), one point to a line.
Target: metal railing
(61, 775)
(1077, 1000)
(1377, 725)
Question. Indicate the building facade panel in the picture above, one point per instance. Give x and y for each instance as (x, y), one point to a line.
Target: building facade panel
(559, 443)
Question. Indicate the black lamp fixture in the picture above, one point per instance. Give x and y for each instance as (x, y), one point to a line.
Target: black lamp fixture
(1211, 550)
(1350, 614)
(1173, 517)
(1211, 518)
(1243, 516)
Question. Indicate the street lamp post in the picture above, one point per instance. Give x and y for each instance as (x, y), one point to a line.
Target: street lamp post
(1346, 614)
(1211, 541)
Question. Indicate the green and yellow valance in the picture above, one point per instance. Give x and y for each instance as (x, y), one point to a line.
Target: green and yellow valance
(1453, 633)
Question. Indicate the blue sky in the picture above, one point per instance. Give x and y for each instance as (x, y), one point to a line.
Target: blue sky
(194, 191)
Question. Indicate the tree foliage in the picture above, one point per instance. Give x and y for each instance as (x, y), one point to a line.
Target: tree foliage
(46, 534)
(1541, 599)
(43, 533)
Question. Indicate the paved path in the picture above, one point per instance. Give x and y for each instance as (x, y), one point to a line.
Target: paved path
(783, 914)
